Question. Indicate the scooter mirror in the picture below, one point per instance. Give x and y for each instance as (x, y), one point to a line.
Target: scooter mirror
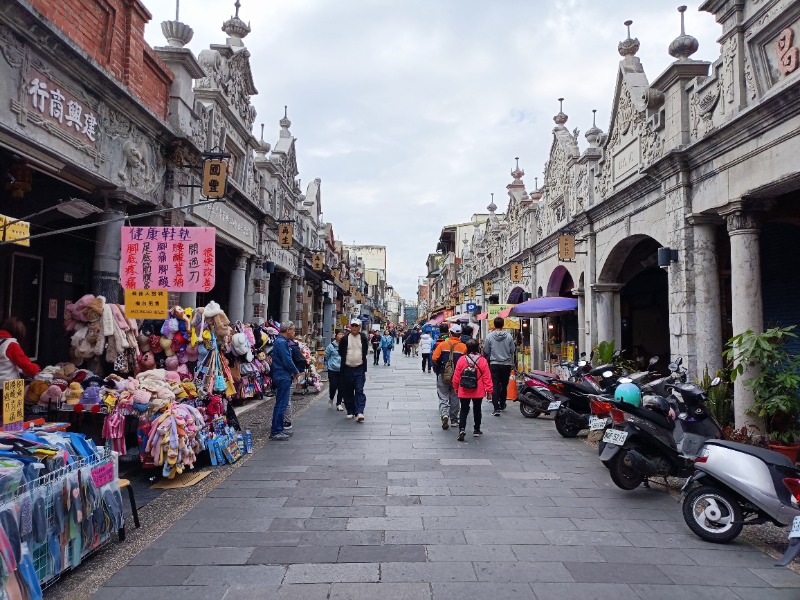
(653, 361)
(679, 362)
(715, 381)
(673, 367)
(607, 374)
(624, 380)
(616, 353)
(583, 354)
(591, 355)
(582, 363)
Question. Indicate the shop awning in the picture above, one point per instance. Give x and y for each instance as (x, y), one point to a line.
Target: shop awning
(481, 316)
(544, 307)
(506, 312)
(437, 319)
(459, 318)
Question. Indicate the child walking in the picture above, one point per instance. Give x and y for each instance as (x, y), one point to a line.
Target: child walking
(472, 382)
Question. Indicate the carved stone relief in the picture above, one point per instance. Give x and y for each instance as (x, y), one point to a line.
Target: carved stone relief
(12, 49)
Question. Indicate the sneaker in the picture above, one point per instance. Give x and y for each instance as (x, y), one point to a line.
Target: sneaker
(349, 416)
(461, 435)
(287, 432)
(478, 433)
(330, 403)
(445, 422)
(339, 407)
(360, 418)
(279, 437)
(496, 413)
(287, 425)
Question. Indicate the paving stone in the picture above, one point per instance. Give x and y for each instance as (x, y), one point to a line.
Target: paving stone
(548, 552)
(424, 511)
(646, 556)
(614, 573)
(148, 556)
(512, 572)
(484, 537)
(619, 525)
(244, 575)
(586, 538)
(723, 576)
(706, 557)
(171, 592)
(149, 576)
(779, 578)
(320, 524)
(689, 592)
(386, 553)
(205, 556)
(425, 537)
(312, 591)
(385, 523)
(339, 572)
(584, 591)
(481, 591)
(341, 538)
(466, 553)
(427, 572)
(745, 593)
(299, 554)
(350, 511)
(380, 591)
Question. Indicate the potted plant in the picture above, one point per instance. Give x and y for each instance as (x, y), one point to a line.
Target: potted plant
(775, 386)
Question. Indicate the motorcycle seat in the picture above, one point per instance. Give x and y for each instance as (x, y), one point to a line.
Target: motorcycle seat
(649, 415)
(768, 456)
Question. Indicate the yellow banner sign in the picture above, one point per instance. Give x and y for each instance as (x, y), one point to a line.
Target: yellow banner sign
(317, 261)
(285, 235)
(215, 177)
(487, 287)
(146, 304)
(516, 272)
(15, 231)
(494, 310)
(13, 404)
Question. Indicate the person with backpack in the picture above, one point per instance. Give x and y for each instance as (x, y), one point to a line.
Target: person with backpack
(445, 357)
(387, 345)
(501, 352)
(472, 381)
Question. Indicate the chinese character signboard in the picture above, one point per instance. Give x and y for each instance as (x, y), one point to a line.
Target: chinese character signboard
(566, 247)
(13, 230)
(175, 259)
(471, 293)
(516, 272)
(215, 177)
(487, 287)
(58, 106)
(335, 274)
(448, 313)
(318, 261)
(285, 234)
(461, 298)
(13, 403)
(146, 304)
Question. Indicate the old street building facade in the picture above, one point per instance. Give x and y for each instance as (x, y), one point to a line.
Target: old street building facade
(96, 126)
(699, 160)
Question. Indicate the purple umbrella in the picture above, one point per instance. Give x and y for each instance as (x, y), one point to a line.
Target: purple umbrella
(545, 307)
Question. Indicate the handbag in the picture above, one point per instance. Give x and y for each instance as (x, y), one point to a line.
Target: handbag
(236, 372)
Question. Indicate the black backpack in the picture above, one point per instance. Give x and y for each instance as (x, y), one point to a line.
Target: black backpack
(469, 375)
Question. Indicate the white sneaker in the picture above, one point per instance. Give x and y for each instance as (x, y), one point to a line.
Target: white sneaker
(360, 418)
(339, 407)
(349, 416)
(330, 403)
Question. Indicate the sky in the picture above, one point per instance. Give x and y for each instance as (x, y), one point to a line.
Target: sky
(412, 111)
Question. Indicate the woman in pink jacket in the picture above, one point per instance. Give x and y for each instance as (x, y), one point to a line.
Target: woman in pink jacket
(472, 382)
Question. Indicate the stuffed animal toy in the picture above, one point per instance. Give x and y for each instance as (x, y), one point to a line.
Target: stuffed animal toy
(143, 342)
(190, 388)
(166, 346)
(147, 361)
(65, 371)
(191, 353)
(217, 320)
(240, 344)
(93, 381)
(73, 394)
(155, 343)
(178, 342)
(94, 309)
(91, 395)
(171, 364)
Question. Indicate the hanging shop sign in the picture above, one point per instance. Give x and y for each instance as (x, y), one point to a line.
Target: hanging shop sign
(336, 274)
(471, 293)
(448, 313)
(215, 178)
(461, 298)
(285, 235)
(318, 261)
(487, 287)
(146, 304)
(493, 310)
(13, 404)
(175, 259)
(566, 247)
(516, 272)
(15, 231)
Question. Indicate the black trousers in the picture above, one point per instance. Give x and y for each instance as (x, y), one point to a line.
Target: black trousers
(426, 362)
(334, 387)
(377, 352)
(500, 377)
(476, 413)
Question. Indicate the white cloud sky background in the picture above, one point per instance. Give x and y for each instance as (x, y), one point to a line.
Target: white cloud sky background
(412, 111)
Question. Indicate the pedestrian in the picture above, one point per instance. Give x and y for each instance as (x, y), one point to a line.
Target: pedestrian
(466, 333)
(333, 365)
(353, 349)
(407, 343)
(500, 350)
(13, 359)
(445, 358)
(387, 345)
(425, 345)
(472, 381)
(414, 340)
(375, 340)
(284, 372)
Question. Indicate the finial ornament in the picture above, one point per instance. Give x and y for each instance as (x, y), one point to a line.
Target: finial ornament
(285, 123)
(629, 46)
(178, 34)
(683, 46)
(517, 173)
(235, 27)
(560, 118)
(492, 206)
(594, 132)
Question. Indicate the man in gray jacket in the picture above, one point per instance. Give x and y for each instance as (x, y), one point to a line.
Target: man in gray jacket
(501, 352)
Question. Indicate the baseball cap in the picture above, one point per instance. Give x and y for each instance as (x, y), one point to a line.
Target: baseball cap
(455, 329)
(355, 321)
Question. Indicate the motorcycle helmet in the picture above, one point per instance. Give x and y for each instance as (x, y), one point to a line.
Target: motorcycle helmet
(628, 392)
(656, 404)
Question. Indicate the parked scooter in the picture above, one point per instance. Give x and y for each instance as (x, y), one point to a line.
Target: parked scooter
(648, 440)
(539, 391)
(734, 485)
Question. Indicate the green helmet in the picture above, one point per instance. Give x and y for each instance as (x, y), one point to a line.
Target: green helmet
(628, 392)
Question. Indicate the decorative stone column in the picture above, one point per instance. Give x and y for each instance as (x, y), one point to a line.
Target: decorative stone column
(286, 285)
(107, 249)
(708, 313)
(744, 229)
(260, 294)
(580, 295)
(293, 284)
(238, 289)
(606, 299)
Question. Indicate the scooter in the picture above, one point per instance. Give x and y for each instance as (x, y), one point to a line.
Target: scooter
(734, 485)
(649, 441)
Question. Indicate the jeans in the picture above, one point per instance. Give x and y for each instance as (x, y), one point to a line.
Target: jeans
(334, 387)
(351, 382)
(426, 362)
(376, 353)
(415, 349)
(476, 413)
(448, 400)
(500, 377)
(387, 356)
(283, 394)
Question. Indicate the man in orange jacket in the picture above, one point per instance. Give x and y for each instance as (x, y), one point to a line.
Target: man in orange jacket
(445, 357)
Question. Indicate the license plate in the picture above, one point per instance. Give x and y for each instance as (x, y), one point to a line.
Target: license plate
(795, 532)
(554, 405)
(615, 436)
(595, 423)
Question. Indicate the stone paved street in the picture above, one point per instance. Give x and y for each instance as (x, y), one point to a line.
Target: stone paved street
(397, 508)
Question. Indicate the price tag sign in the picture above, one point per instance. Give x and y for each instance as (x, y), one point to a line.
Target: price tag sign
(146, 304)
(103, 474)
(13, 404)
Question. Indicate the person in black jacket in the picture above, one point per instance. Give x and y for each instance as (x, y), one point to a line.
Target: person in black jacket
(353, 373)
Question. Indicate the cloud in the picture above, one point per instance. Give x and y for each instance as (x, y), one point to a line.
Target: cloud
(412, 112)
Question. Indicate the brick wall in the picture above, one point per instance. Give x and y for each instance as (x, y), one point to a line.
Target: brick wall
(111, 32)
